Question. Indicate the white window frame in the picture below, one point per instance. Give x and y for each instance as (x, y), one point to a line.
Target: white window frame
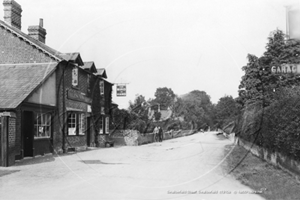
(72, 123)
(81, 121)
(107, 125)
(42, 125)
(76, 120)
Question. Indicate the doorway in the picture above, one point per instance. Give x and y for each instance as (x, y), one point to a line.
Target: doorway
(28, 133)
(88, 131)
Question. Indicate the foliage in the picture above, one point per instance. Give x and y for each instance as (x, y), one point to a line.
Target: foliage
(196, 109)
(271, 101)
(120, 118)
(175, 125)
(157, 116)
(164, 97)
(138, 111)
(277, 126)
(139, 107)
(226, 111)
(258, 83)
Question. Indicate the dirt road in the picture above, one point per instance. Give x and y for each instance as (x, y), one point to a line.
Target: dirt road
(182, 168)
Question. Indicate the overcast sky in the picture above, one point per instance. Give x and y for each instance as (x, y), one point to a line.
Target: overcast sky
(180, 44)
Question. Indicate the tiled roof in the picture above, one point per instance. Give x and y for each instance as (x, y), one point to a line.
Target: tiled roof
(75, 57)
(90, 66)
(39, 45)
(17, 81)
(101, 72)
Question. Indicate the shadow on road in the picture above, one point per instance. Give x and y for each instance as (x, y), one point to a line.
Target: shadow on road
(98, 162)
(7, 172)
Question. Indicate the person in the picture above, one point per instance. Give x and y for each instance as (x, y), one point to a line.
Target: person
(160, 134)
(155, 133)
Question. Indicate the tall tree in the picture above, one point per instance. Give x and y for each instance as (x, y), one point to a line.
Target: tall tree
(138, 111)
(196, 108)
(258, 83)
(226, 111)
(164, 97)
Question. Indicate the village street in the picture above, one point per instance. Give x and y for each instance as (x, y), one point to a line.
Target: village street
(182, 168)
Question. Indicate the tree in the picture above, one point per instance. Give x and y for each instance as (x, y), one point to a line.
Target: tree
(139, 114)
(258, 83)
(196, 108)
(157, 116)
(139, 107)
(164, 97)
(120, 118)
(226, 111)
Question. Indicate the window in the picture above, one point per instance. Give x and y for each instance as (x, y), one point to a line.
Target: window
(76, 123)
(101, 87)
(42, 125)
(107, 125)
(101, 125)
(72, 124)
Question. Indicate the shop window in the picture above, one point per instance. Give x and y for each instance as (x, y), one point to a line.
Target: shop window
(76, 123)
(101, 87)
(42, 125)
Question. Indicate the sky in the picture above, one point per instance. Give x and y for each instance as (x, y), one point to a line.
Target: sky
(184, 45)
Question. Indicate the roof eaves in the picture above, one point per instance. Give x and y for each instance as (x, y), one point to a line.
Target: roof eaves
(31, 41)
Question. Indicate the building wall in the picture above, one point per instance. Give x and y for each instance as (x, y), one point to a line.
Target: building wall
(18, 145)
(46, 94)
(8, 130)
(66, 104)
(15, 50)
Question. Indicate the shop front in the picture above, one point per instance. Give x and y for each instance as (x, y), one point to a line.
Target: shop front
(37, 129)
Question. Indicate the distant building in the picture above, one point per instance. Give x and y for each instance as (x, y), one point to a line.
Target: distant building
(50, 102)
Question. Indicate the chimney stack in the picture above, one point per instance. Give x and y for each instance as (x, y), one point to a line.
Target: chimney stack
(38, 32)
(12, 13)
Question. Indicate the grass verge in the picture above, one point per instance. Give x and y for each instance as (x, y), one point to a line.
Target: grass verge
(260, 175)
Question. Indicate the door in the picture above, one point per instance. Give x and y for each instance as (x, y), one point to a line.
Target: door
(88, 131)
(28, 133)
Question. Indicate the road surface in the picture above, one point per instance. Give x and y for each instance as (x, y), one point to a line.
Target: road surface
(182, 168)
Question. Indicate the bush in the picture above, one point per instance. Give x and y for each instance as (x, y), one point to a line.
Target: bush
(275, 127)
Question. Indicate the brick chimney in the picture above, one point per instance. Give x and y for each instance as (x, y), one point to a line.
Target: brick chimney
(12, 13)
(38, 32)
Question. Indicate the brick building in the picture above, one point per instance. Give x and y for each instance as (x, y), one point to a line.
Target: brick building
(50, 102)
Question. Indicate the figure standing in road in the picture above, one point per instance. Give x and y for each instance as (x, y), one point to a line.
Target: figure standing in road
(160, 134)
(155, 134)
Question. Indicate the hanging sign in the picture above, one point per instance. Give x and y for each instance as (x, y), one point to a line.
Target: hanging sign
(75, 77)
(121, 90)
(286, 69)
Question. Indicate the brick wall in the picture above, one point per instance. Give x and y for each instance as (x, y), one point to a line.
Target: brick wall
(15, 50)
(8, 131)
(11, 140)
(77, 142)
